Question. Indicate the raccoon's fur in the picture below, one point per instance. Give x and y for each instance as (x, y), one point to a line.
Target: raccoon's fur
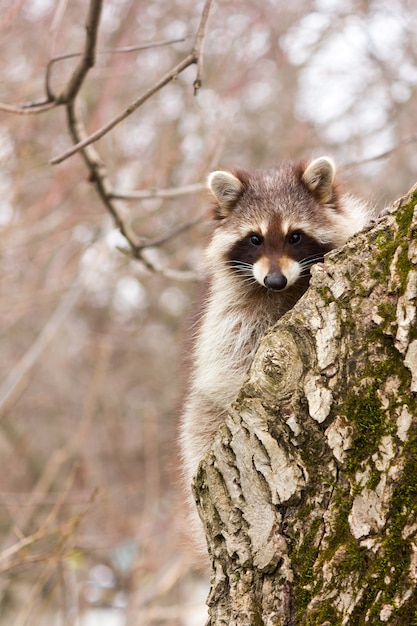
(271, 226)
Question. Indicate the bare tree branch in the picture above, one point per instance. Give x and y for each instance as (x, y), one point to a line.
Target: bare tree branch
(27, 108)
(195, 56)
(144, 194)
(199, 44)
(98, 172)
(153, 243)
(20, 375)
(88, 59)
(67, 452)
(99, 177)
(63, 533)
(51, 101)
(75, 82)
(171, 75)
(122, 50)
(383, 155)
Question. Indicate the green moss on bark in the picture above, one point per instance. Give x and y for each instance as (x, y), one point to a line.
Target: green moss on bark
(382, 574)
(391, 245)
(303, 560)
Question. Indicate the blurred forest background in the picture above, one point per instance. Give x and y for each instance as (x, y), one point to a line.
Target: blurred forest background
(91, 529)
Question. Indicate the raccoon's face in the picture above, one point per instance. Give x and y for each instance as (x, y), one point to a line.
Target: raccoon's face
(273, 225)
(276, 259)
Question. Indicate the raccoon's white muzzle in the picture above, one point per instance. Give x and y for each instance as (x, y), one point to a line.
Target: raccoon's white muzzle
(277, 276)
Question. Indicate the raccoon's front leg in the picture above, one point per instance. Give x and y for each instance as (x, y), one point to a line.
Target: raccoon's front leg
(201, 419)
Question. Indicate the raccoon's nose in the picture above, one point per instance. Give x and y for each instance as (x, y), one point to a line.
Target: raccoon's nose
(275, 281)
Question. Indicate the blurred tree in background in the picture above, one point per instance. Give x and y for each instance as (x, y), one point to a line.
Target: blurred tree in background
(90, 512)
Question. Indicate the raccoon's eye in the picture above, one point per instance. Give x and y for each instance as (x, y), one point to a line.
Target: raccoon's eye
(295, 237)
(255, 239)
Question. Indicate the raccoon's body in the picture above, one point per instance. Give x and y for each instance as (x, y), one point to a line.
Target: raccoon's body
(271, 226)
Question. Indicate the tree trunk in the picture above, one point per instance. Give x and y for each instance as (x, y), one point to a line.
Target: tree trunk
(309, 492)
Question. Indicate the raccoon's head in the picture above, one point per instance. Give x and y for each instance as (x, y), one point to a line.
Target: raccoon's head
(273, 225)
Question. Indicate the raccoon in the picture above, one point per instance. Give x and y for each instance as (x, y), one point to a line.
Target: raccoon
(270, 227)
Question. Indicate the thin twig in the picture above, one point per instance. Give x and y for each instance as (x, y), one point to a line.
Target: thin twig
(121, 50)
(382, 155)
(145, 194)
(26, 541)
(20, 375)
(146, 594)
(64, 532)
(199, 44)
(28, 108)
(62, 455)
(159, 241)
(88, 59)
(57, 19)
(144, 46)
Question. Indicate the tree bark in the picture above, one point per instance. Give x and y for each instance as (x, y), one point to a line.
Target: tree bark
(309, 492)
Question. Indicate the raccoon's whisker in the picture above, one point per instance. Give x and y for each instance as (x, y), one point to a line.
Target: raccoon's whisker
(244, 274)
(245, 269)
(305, 271)
(308, 261)
(313, 256)
(242, 268)
(240, 264)
(247, 277)
(306, 264)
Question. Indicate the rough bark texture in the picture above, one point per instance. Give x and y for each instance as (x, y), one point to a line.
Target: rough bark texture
(309, 493)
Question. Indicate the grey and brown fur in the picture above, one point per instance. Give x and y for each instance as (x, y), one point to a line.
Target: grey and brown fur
(270, 227)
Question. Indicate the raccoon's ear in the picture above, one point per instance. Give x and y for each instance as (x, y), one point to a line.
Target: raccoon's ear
(226, 189)
(319, 177)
